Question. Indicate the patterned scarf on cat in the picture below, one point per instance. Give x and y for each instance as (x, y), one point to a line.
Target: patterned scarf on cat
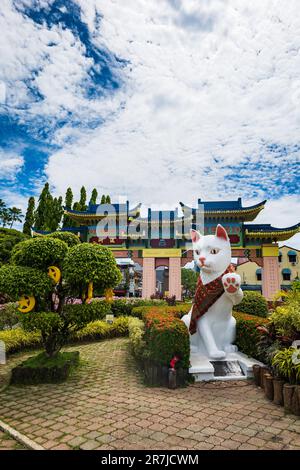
(205, 296)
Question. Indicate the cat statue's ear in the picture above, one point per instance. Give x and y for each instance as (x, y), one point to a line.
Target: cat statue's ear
(195, 236)
(221, 233)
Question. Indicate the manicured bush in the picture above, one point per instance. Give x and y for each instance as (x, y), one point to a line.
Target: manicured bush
(100, 330)
(21, 280)
(88, 262)
(68, 237)
(247, 333)
(42, 369)
(40, 253)
(136, 330)
(8, 316)
(8, 239)
(166, 336)
(85, 313)
(253, 303)
(177, 310)
(17, 340)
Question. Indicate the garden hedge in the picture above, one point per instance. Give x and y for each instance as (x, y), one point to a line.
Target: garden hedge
(247, 333)
(166, 336)
(253, 303)
(17, 339)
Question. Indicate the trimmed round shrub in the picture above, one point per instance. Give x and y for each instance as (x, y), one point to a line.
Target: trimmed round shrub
(8, 239)
(88, 262)
(40, 253)
(248, 334)
(68, 237)
(81, 314)
(253, 303)
(21, 280)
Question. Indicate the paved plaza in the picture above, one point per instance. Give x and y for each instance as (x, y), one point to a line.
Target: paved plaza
(104, 405)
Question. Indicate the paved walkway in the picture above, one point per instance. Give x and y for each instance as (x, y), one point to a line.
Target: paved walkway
(104, 405)
(7, 443)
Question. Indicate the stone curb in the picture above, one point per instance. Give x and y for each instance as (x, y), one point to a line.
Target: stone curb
(25, 441)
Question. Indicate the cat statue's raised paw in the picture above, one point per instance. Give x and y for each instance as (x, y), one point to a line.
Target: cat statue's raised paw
(210, 321)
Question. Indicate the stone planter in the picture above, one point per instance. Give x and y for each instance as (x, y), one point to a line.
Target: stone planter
(263, 371)
(296, 401)
(268, 386)
(278, 391)
(288, 392)
(256, 374)
(161, 376)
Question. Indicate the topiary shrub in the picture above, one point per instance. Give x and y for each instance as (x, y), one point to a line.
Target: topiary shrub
(89, 262)
(165, 337)
(40, 253)
(253, 303)
(68, 237)
(85, 313)
(50, 316)
(248, 334)
(19, 280)
(17, 339)
(8, 316)
(177, 310)
(8, 239)
(136, 329)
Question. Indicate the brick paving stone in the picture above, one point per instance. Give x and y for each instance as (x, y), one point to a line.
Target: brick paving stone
(104, 405)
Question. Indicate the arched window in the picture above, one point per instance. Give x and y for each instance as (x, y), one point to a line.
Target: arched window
(292, 255)
(286, 274)
(258, 274)
(279, 257)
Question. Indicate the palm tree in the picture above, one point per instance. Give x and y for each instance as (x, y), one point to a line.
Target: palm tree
(15, 215)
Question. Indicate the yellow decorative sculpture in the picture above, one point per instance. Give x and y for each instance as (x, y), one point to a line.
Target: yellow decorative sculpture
(26, 303)
(54, 273)
(109, 294)
(90, 292)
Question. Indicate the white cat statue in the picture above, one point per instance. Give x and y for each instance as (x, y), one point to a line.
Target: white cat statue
(210, 320)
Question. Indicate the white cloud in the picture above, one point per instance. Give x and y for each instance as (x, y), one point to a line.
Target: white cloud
(10, 164)
(194, 92)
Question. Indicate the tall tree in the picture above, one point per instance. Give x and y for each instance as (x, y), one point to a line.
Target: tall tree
(57, 212)
(94, 196)
(44, 211)
(29, 217)
(108, 201)
(103, 199)
(15, 215)
(82, 200)
(76, 207)
(67, 222)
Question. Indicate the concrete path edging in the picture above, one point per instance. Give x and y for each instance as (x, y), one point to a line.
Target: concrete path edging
(25, 441)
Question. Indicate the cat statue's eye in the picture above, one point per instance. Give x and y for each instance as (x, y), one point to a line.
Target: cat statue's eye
(214, 251)
(197, 252)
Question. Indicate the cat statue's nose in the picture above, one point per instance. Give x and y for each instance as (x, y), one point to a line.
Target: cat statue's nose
(202, 259)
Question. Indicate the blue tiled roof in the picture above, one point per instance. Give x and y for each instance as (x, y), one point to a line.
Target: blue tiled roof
(221, 205)
(268, 228)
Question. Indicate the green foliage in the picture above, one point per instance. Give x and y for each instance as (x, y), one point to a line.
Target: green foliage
(107, 200)
(94, 196)
(18, 339)
(44, 209)
(253, 303)
(79, 315)
(166, 336)
(103, 199)
(287, 364)
(56, 214)
(177, 310)
(189, 279)
(40, 252)
(20, 280)
(82, 200)
(8, 239)
(100, 330)
(8, 315)
(67, 222)
(296, 285)
(29, 217)
(68, 237)
(90, 262)
(247, 333)
(9, 215)
(286, 318)
(136, 330)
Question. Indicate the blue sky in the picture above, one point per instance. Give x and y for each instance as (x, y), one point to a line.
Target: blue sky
(157, 100)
